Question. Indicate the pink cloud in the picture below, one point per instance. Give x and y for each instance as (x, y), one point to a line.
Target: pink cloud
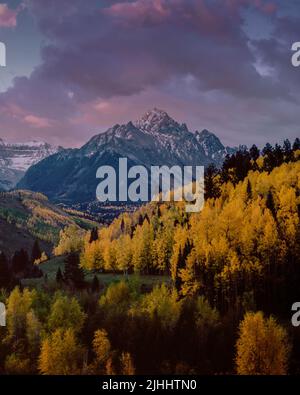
(270, 8)
(8, 17)
(200, 15)
(18, 113)
(158, 11)
(264, 6)
(154, 11)
(37, 122)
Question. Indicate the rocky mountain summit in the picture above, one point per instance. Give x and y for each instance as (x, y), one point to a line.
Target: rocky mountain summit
(69, 176)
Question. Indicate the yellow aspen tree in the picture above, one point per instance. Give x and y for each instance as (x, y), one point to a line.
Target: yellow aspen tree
(262, 346)
(71, 239)
(180, 239)
(124, 253)
(61, 354)
(101, 346)
(127, 366)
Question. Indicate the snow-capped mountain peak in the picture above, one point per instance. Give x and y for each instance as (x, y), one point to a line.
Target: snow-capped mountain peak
(155, 139)
(16, 158)
(32, 144)
(209, 142)
(158, 121)
(157, 136)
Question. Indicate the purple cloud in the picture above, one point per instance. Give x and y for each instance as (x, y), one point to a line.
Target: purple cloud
(8, 17)
(102, 59)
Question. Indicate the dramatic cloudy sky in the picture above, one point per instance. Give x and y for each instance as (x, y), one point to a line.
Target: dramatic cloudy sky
(76, 67)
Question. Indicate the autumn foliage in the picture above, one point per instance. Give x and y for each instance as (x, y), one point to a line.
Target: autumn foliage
(225, 282)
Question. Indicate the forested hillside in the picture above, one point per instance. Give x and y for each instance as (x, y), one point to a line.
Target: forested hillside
(242, 248)
(228, 278)
(26, 216)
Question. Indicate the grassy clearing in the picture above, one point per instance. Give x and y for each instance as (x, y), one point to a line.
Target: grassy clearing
(29, 216)
(52, 265)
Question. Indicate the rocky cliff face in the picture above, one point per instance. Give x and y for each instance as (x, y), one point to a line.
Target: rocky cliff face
(69, 176)
(16, 158)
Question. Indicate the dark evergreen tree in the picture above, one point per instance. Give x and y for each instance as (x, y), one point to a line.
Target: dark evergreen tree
(254, 152)
(59, 276)
(270, 203)
(268, 149)
(73, 273)
(122, 225)
(242, 165)
(227, 165)
(249, 190)
(132, 230)
(140, 220)
(183, 254)
(180, 265)
(20, 262)
(5, 274)
(35, 272)
(287, 150)
(212, 189)
(94, 235)
(278, 155)
(269, 158)
(95, 284)
(36, 251)
(158, 212)
(296, 145)
(236, 167)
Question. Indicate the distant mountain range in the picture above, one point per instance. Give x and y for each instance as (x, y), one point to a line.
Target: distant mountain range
(16, 158)
(26, 216)
(69, 176)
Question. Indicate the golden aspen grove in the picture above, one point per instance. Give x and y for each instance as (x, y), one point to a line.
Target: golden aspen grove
(160, 290)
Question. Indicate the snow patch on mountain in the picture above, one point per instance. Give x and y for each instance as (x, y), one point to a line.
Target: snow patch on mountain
(154, 139)
(16, 158)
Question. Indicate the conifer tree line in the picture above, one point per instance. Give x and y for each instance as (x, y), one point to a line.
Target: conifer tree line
(20, 265)
(241, 246)
(201, 293)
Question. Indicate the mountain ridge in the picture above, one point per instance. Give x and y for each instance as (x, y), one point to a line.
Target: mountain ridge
(26, 216)
(69, 176)
(16, 158)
